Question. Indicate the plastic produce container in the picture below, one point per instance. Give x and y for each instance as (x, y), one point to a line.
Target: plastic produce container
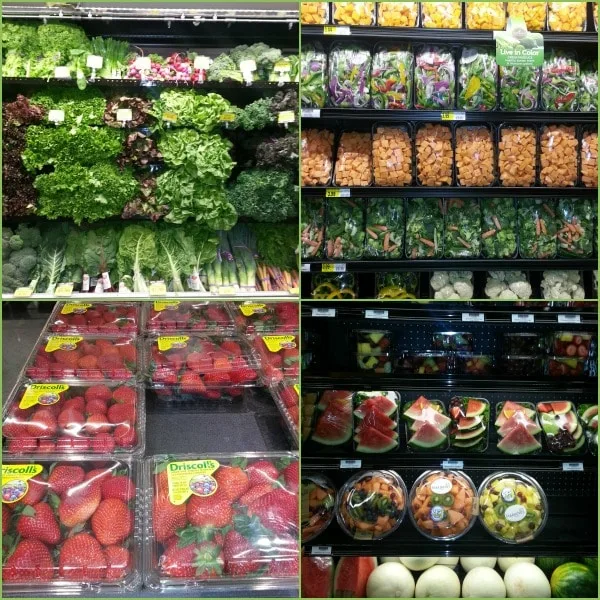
(567, 16)
(562, 429)
(349, 75)
(384, 226)
(522, 343)
(314, 13)
(453, 340)
(392, 76)
(354, 160)
(194, 366)
(589, 158)
(397, 14)
(517, 428)
(519, 87)
(434, 77)
(576, 233)
(565, 366)
(345, 230)
(256, 318)
(79, 356)
(397, 285)
(279, 356)
(534, 13)
(392, 155)
(424, 228)
(334, 286)
(95, 317)
(560, 81)
(312, 227)
(317, 157)
(475, 156)
(588, 415)
(485, 15)
(426, 425)
(190, 491)
(474, 364)
(376, 422)
(571, 343)
(372, 350)
(463, 228)
(332, 416)
(434, 155)
(354, 13)
(199, 317)
(317, 505)
(512, 507)
(443, 504)
(519, 365)
(92, 551)
(441, 15)
(469, 431)
(75, 417)
(371, 504)
(477, 80)
(517, 156)
(432, 363)
(285, 395)
(537, 228)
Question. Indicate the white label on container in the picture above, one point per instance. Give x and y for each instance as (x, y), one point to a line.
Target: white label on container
(202, 62)
(376, 314)
(333, 268)
(143, 63)
(522, 318)
(441, 486)
(62, 72)
(305, 268)
(437, 513)
(572, 466)
(569, 319)
(56, 116)
(508, 495)
(323, 312)
(350, 464)
(515, 513)
(473, 317)
(452, 464)
(94, 61)
(311, 113)
(124, 114)
(453, 116)
(320, 551)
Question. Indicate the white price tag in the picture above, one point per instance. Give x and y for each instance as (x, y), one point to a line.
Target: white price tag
(572, 466)
(202, 62)
(157, 288)
(333, 268)
(305, 268)
(377, 314)
(143, 63)
(323, 312)
(56, 116)
(311, 113)
(320, 551)
(452, 464)
(63, 289)
(329, 30)
(94, 61)
(473, 317)
(569, 319)
(337, 193)
(453, 116)
(124, 114)
(62, 72)
(247, 67)
(22, 292)
(350, 464)
(522, 318)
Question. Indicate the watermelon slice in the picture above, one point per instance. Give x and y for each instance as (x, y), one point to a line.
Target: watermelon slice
(329, 395)
(375, 418)
(428, 436)
(589, 413)
(519, 441)
(373, 441)
(466, 443)
(433, 417)
(509, 408)
(381, 403)
(561, 408)
(417, 407)
(351, 575)
(465, 424)
(568, 421)
(317, 576)
(334, 425)
(519, 418)
(593, 424)
(576, 447)
(471, 434)
(475, 407)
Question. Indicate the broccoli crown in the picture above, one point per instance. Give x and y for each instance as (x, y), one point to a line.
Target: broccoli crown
(22, 256)
(15, 242)
(31, 236)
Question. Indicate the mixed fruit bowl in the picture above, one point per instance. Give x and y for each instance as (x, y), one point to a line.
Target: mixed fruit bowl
(317, 504)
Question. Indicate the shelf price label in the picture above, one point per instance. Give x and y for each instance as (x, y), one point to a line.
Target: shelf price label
(285, 117)
(305, 268)
(320, 551)
(331, 30)
(323, 312)
(157, 288)
(522, 318)
(63, 289)
(337, 193)
(350, 464)
(572, 466)
(333, 268)
(377, 314)
(56, 116)
(202, 62)
(569, 319)
(311, 113)
(94, 61)
(453, 116)
(473, 317)
(452, 464)
(62, 73)
(22, 292)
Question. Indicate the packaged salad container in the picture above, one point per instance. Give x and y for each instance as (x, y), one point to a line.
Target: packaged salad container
(334, 286)
(397, 14)
(424, 228)
(453, 340)
(485, 15)
(474, 364)
(353, 165)
(434, 77)
(576, 228)
(477, 79)
(565, 366)
(443, 504)
(512, 507)
(397, 286)
(285, 395)
(463, 228)
(317, 157)
(589, 158)
(255, 318)
(588, 415)
(376, 422)
(279, 356)
(571, 343)
(522, 342)
(373, 350)
(560, 81)
(211, 493)
(349, 75)
(432, 363)
(314, 13)
(312, 228)
(475, 156)
(517, 155)
(567, 16)
(95, 317)
(353, 13)
(434, 155)
(558, 156)
(392, 155)
(371, 504)
(561, 426)
(533, 13)
(392, 75)
(538, 228)
(317, 505)
(426, 425)
(587, 100)
(519, 88)
(345, 232)
(499, 228)
(196, 366)
(517, 428)
(441, 15)
(95, 550)
(469, 430)
(89, 357)
(74, 417)
(332, 417)
(313, 68)
(176, 315)
(385, 228)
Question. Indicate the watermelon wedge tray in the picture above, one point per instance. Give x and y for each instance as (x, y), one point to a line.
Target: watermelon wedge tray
(517, 428)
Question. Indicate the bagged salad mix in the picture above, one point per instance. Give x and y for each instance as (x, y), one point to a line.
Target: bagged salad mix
(349, 75)
(313, 68)
(519, 88)
(537, 227)
(424, 228)
(435, 157)
(441, 15)
(345, 230)
(392, 156)
(499, 228)
(397, 14)
(463, 228)
(560, 81)
(434, 77)
(392, 76)
(385, 228)
(477, 79)
(474, 156)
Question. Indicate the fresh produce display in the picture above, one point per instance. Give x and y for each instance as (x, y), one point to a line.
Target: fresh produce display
(21, 250)
(499, 228)
(354, 160)
(474, 157)
(333, 418)
(345, 231)
(441, 15)
(575, 236)
(397, 14)
(512, 507)
(376, 422)
(474, 364)
(349, 74)
(99, 317)
(477, 79)
(392, 74)
(562, 285)
(371, 504)
(558, 141)
(588, 416)
(589, 159)
(373, 350)
(327, 286)
(314, 13)
(567, 16)
(72, 528)
(424, 228)
(443, 504)
(470, 420)
(312, 75)
(354, 13)
(452, 340)
(434, 155)
(426, 424)
(588, 88)
(562, 429)
(560, 81)
(508, 285)
(397, 286)
(533, 13)
(312, 228)
(384, 229)
(525, 343)
(279, 357)
(317, 504)
(485, 15)
(517, 428)
(517, 156)
(254, 318)
(317, 157)
(392, 157)
(434, 78)
(463, 225)
(519, 85)
(452, 285)
(177, 316)
(538, 228)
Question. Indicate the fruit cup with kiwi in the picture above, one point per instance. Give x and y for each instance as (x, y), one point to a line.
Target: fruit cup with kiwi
(373, 350)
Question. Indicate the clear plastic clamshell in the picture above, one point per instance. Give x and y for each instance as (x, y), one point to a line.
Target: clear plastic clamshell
(95, 317)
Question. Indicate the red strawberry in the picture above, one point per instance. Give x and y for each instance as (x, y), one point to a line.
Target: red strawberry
(241, 557)
(198, 561)
(262, 471)
(291, 475)
(87, 362)
(79, 503)
(103, 443)
(98, 476)
(120, 487)
(6, 515)
(90, 349)
(31, 561)
(198, 362)
(277, 510)
(176, 359)
(98, 392)
(220, 378)
(75, 403)
(125, 395)
(118, 560)
(212, 394)
(128, 353)
(255, 492)
(82, 559)
(231, 347)
(67, 357)
(191, 383)
(71, 421)
(161, 484)
(243, 375)
(284, 567)
(167, 518)
(112, 522)
(232, 481)
(210, 511)
(38, 522)
(121, 413)
(110, 350)
(294, 414)
(64, 477)
(125, 435)
(43, 424)
(37, 490)
(97, 424)
(109, 364)
(98, 407)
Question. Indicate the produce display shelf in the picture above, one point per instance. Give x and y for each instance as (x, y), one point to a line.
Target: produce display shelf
(110, 296)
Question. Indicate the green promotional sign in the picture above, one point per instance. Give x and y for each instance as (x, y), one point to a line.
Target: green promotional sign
(517, 47)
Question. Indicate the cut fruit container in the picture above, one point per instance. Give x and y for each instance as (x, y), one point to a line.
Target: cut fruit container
(279, 356)
(563, 366)
(431, 363)
(443, 504)
(512, 507)
(469, 430)
(426, 424)
(526, 343)
(588, 415)
(285, 395)
(317, 505)
(371, 504)
(453, 340)
(332, 418)
(200, 317)
(214, 522)
(255, 318)
(199, 366)
(373, 350)
(73, 527)
(474, 364)
(83, 356)
(517, 427)
(574, 344)
(378, 363)
(376, 421)
(563, 431)
(95, 318)
(75, 417)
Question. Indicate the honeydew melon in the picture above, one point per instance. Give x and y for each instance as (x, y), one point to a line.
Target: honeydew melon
(438, 582)
(391, 580)
(525, 580)
(483, 582)
(470, 562)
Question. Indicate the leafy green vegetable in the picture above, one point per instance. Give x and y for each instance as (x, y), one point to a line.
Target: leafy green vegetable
(20, 38)
(499, 231)
(560, 81)
(62, 38)
(224, 69)
(537, 228)
(277, 244)
(175, 256)
(385, 228)
(137, 255)
(463, 228)
(82, 107)
(477, 79)
(424, 228)
(52, 258)
(114, 54)
(392, 76)
(204, 243)
(256, 115)
(278, 151)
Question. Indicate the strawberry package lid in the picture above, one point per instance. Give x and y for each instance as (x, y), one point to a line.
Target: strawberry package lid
(176, 315)
(71, 527)
(95, 317)
(257, 318)
(285, 394)
(222, 519)
(201, 366)
(279, 353)
(74, 417)
(83, 356)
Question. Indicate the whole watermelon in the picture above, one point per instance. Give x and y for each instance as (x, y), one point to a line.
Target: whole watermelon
(548, 564)
(574, 580)
(592, 563)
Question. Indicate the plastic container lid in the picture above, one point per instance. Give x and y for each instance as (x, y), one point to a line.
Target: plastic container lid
(279, 356)
(443, 504)
(111, 490)
(317, 504)
(95, 317)
(371, 504)
(512, 507)
(200, 317)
